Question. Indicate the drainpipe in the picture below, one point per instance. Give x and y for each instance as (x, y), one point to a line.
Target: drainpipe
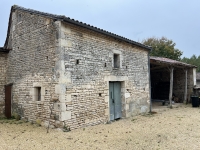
(150, 109)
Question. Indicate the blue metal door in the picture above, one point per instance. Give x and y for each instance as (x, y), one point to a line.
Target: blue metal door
(115, 100)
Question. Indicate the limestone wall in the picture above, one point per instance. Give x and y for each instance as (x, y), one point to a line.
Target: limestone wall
(3, 66)
(74, 66)
(87, 66)
(31, 64)
(179, 83)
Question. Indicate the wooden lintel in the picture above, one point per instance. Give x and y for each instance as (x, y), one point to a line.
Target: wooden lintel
(157, 67)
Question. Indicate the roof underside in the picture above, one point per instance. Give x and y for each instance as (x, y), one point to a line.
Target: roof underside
(2, 50)
(75, 22)
(166, 62)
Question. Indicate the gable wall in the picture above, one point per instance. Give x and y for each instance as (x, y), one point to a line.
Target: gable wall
(31, 64)
(89, 78)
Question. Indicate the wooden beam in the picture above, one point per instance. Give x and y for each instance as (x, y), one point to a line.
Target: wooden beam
(160, 64)
(185, 93)
(171, 86)
(158, 67)
(167, 64)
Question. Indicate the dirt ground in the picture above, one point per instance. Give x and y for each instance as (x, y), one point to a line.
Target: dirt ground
(173, 129)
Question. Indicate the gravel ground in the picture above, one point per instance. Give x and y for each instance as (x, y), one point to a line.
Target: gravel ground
(173, 129)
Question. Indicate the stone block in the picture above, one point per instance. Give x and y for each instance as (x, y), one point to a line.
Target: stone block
(65, 115)
(126, 106)
(65, 43)
(60, 107)
(60, 89)
(127, 95)
(68, 98)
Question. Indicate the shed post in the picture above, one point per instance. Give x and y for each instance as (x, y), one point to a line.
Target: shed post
(149, 71)
(171, 86)
(185, 93)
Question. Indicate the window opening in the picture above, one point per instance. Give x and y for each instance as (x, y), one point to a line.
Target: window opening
(116, 60)
(77, 61)
(38, 93)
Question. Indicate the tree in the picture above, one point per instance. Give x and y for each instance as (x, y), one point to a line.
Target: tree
(194, 60)
(163, 47)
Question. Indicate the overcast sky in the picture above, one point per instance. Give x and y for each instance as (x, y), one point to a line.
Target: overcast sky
(178, 20)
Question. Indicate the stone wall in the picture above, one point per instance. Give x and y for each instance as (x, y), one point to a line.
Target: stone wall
(179, 83)
(198, 83)
(31, 64)
(72, 66)
(86, 66)
(3, 67)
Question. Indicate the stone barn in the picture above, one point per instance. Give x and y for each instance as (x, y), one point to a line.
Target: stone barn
(171, 80)
(57, 69)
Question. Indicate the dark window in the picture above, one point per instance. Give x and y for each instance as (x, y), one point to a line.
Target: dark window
(116, 60)
(77, 61)
(38, 93)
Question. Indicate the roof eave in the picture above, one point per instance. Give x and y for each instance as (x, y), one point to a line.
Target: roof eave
(172, 64)
(2, 50)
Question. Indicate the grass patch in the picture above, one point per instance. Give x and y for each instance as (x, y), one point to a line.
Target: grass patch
(133, 119)
(38, 122)
(66, 128)
(150, 114)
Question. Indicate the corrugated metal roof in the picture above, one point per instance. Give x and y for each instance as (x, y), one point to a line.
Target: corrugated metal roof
(170, 61)
(76, 22)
